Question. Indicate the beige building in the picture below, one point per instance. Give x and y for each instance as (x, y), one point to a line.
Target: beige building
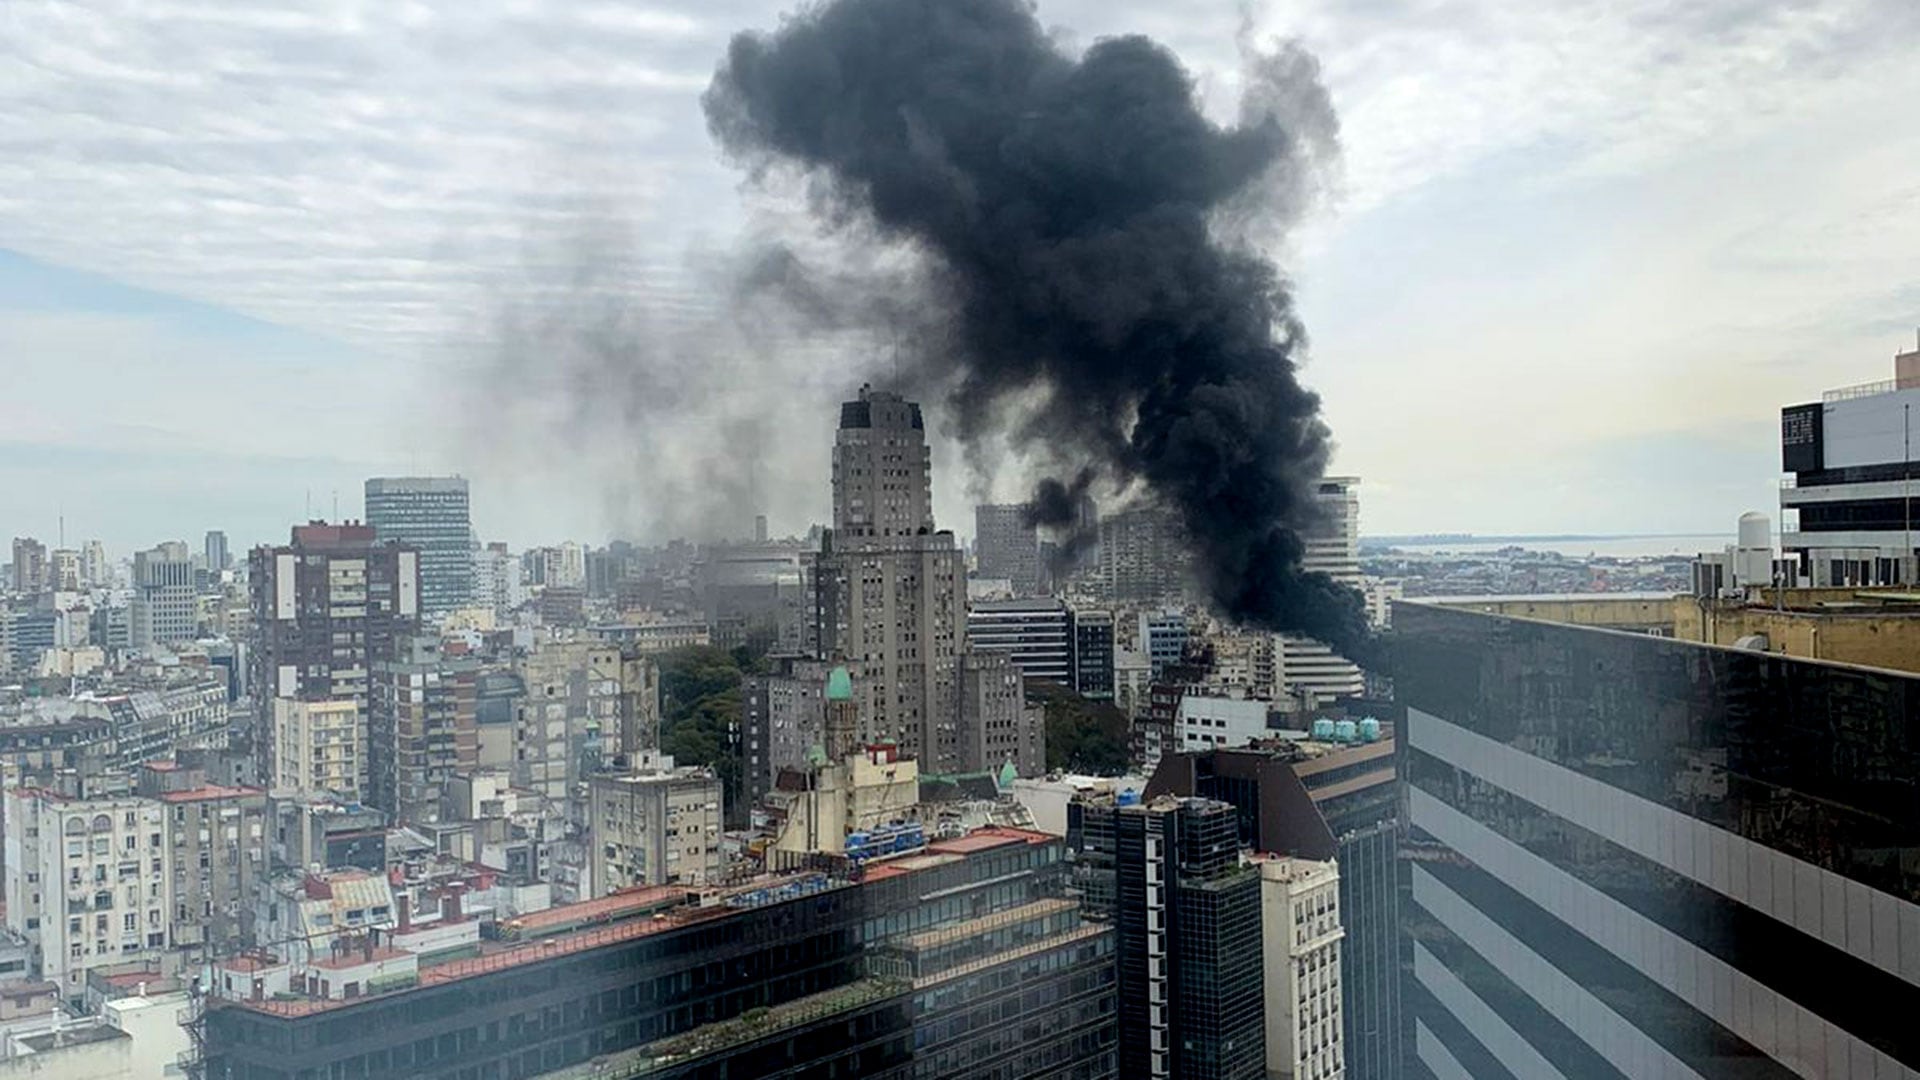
(660, 826)
(1301, 935)
(819, 807)
(319, 747)
(1870, 627)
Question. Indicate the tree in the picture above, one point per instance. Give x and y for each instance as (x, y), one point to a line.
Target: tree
(700, 714)
(1082, 736)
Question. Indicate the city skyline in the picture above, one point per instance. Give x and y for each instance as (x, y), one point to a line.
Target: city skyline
(1538, 228)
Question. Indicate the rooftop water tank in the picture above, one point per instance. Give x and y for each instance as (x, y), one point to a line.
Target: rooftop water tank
(1346, 731)
(1127, 797)
(1323, 728)
(1370, 730)
(1753, 553)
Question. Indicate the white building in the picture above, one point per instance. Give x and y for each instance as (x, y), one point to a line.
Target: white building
(1207, 723)
(657, 827)
(1301, 934)
(88, 882)
(1380, 594)
(318, 747)
(165, 607)
(498, 583)
(94, 569)
(1308, 668)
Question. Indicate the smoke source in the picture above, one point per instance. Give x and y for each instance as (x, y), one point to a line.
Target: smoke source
(1083, 223)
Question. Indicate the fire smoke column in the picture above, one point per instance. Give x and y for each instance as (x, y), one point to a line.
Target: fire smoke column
(1078, 216)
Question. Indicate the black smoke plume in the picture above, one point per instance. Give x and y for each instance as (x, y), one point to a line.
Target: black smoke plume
(1082, 222)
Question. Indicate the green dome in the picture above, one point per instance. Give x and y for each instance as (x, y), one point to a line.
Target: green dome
(839, 685)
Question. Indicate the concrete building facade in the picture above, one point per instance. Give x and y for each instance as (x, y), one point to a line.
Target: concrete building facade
(320, 747)
(1301, 934)
(422, 728)
(1006, 546)
(89, 882)
(218, 838)
(656, 826)
(325, 607)
(997, 728)
(164, 607)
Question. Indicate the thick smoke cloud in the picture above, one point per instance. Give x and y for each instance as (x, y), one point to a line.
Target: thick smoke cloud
(1086, 229)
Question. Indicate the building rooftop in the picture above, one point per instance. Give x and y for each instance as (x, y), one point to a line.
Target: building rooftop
(78, 1035)
(357, 958)
(614, 905)
(207, 792)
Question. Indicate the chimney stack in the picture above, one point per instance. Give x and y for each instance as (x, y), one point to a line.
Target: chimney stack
(403, 911)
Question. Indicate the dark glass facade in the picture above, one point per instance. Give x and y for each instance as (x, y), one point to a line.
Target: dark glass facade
(538, 1017)
(971, 965)
(1187, 935)
(431, 515)
(1636, 856)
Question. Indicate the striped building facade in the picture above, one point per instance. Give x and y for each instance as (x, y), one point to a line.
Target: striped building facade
(1636, 857)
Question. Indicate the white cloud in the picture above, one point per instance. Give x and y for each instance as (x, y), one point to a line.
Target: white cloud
(372, 171)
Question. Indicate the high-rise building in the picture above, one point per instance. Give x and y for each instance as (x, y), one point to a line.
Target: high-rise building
(165, 607)
(997, 728)
(655, 826)
(1309, 667)
(1300, 932)
(63, 570)
(1093, 657)
(882, 470)
(1006, 546)
(326, 606)
(568, 722)
(497, 580)
(29, 565)
(1163, 637)
(1036, 634)
(320, 747)
(1187, 918)
(1846, 510)
(1638, 855)
(94, 570)
(429, 514)
(421, 728)
(889, 591)
(1143, 557)
(782, 715)
(216, 553)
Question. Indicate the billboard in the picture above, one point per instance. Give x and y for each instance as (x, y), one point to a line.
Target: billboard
(1801, 433)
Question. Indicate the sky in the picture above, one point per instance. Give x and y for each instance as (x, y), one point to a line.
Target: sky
(1574, 258)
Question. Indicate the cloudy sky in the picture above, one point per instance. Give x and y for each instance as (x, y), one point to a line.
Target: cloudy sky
(1576, 257)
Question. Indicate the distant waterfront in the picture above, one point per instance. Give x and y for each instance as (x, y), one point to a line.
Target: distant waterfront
(1619, 547)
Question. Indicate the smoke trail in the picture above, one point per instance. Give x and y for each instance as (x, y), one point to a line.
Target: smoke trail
(1074, 214)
